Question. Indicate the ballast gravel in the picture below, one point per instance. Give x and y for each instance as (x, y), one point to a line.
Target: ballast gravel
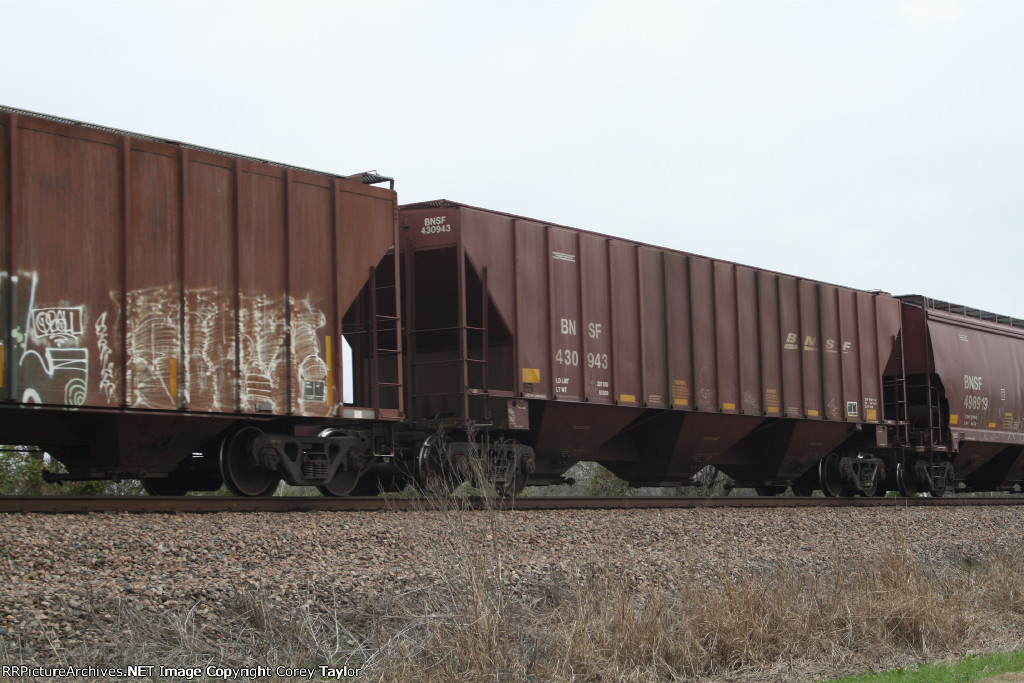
(64, 578)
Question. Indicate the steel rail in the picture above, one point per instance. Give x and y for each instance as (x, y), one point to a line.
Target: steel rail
(206, 504)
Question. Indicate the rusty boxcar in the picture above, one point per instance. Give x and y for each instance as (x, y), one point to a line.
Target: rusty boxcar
(166, 309)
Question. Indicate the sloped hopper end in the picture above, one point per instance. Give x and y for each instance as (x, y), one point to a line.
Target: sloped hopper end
(990, 466)
(784, 449)
(570, 432)
(365, 235)
(674, 446)
(368, 294)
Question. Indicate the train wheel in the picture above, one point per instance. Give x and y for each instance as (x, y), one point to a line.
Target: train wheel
(241, 476)
(870, 490)
(506, 469)
(344, 480)
(830, 478)
(434, 468)
(341, 485)
(514, 486)
(163, 486)
(905, 480)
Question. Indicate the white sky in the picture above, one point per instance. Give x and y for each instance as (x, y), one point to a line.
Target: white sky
(878, 145)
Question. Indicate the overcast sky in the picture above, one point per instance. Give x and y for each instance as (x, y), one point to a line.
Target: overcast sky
(878, 145)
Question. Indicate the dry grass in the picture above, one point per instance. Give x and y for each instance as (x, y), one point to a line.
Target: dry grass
(597, 623)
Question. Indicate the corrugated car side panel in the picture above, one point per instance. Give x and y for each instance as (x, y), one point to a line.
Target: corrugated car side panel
(67, 253)
(489, 243)
(152, 307)
(653, 287)
(792, 361)
(810, 344)
(262, 282)
(210, 279)
(771, 342)
(564, 294)
(702, 311)
(680, 339)
(627, 360)
(830, 345)
(535, 348)
(313, 319)
(981, 369)
(597, 316)
(853, 398)
(727, 327)
(749, 340)
(154, 276)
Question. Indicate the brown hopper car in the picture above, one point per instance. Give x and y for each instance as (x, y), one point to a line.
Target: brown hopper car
(653, 362)
(178, 315)
(154, 294)
(964, 388)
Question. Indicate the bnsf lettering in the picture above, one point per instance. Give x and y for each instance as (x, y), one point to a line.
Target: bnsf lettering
(433, 226)
(972, 382)
(595, 330)
(568, 326)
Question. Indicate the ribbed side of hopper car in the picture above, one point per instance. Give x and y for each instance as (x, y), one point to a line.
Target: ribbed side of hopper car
(158, 299)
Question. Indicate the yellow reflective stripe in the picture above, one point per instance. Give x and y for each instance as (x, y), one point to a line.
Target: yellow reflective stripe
(174, 379)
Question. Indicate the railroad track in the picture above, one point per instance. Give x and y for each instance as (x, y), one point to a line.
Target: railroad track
(199, 504)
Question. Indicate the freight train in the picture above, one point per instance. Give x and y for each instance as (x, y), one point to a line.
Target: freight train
(191, 318)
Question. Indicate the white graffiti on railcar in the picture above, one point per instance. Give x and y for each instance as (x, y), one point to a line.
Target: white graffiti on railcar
(108, 385)
(52, 337)
(153, 339)
(51, 349)
(152, 342)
